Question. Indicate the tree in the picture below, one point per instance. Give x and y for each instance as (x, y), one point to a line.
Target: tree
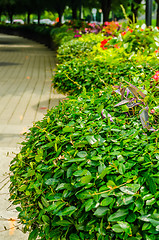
(135, 6)
(157, 15)
(57, 6)
(9, 7)
(106, 8)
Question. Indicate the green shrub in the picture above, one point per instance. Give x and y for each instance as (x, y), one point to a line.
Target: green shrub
(72, 76)
(79, 176)
(78, 47)
(60, 34)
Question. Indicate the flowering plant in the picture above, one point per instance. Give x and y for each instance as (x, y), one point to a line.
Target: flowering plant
(111, 28)
(135, 39)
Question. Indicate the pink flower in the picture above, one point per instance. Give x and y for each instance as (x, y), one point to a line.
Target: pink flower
(117, 23)
(77, 36)
(106, 23)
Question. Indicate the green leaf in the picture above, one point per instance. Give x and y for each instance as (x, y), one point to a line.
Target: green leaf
(84, 194)
(131, 217)
(101, 167)
(45, 218)
(147, 197)
(80, 173)
(130, 189)
(55, 206)
(82, 154)
(128, 200)
(74, 236)
(150, 202)
(126, 227)
(151, 185)
(68, 129)
(40, 205)
(33, 235)
(118, 215)
(157, 228)
(104, 172)
(111, 184)
(63, 223)
(89, 204)
(62, 186)
(106, 201)
(116, 228)
(86, 179)
(22, 188)
(44, 202)
(51, 181)
(91, 139)
(67, 211)
(101, 211)
(146, 226)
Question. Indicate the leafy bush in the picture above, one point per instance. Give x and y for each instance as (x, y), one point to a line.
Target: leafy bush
(60, 35)
(79, 176)
(77, 48)
(72, 75)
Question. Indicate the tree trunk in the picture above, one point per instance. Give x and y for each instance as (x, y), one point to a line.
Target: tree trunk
(74, 13)
(157, 14)
(28, 17)
(74, 9)
(134, 10)
(10, 17)
(106, 7)
(39, 15)
(60, 16)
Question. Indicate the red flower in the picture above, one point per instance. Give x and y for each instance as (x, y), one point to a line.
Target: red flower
(116, 46)
(156, 77)
(129, 29)
(105, 41)
(152, 111)
(123, 33)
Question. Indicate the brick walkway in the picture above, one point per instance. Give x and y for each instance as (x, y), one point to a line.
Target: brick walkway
(25, 95)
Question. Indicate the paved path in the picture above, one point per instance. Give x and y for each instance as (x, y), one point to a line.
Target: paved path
(25, 95)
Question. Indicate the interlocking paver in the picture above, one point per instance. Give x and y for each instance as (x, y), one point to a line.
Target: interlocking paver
(25, 95)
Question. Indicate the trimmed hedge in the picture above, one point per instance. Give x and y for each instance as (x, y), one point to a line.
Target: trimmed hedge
(89, 170)
(79, 176)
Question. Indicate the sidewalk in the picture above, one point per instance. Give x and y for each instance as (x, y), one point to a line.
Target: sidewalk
(25, 95)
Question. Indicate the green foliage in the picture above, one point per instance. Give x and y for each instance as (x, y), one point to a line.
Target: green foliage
(72, 75)
(89, 170)
(79, 176)
(77, 48)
